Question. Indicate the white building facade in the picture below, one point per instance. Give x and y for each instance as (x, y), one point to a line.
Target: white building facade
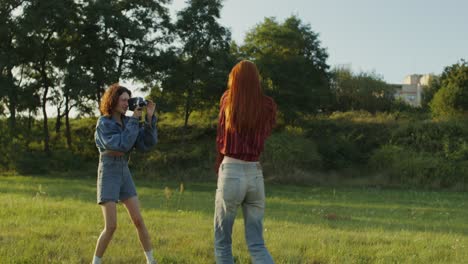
(412, 88)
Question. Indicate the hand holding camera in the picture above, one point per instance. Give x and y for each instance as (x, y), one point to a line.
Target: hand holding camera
(136, 105)
(150, 107)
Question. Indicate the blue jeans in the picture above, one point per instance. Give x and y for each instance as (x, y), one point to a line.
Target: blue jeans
(240, 184)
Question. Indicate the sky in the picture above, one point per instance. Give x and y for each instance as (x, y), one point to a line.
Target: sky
(394, 38)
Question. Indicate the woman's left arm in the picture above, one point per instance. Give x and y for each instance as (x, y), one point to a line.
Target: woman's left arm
(148, 134)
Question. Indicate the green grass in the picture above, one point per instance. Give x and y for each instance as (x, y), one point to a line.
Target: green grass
(55, 220)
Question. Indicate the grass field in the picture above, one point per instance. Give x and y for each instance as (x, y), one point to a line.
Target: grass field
(55, 220)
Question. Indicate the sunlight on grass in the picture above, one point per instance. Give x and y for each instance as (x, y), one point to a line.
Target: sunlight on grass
(56, 220)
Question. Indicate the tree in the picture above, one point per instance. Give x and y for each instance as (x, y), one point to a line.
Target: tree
(199, 72)
(430, 90)
(122, 40)
(44, 26)
(66, 52)
(9, 30)
(452, 98)
(293, 65)
(361, 91)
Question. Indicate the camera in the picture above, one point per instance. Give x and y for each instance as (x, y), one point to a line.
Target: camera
(136, 102)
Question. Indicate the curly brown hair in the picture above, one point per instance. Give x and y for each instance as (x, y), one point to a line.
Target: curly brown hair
(111, 97)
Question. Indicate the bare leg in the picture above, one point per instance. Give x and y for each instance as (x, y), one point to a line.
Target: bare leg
(133, 207)
(109, 212)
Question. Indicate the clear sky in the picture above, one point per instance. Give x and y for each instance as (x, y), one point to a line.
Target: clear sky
(391, 37)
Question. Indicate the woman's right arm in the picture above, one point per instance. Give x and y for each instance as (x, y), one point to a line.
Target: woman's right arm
(113, 139)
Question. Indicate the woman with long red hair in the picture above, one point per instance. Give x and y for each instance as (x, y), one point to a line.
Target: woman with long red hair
(246, 119)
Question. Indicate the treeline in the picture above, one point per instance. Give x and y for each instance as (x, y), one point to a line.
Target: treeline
(63, 54)
(383, 149)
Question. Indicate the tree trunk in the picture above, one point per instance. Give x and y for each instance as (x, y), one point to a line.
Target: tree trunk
(188, 104)
(121, 60)
(13, 101)
(67, 122)
(29, 126)
(44, 109)
(45, 125)
(12, 92)
(58, 122)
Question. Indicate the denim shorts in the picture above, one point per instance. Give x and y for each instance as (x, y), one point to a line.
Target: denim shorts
(114, 181)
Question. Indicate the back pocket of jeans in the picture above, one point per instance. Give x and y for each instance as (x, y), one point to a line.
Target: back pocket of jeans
(229, 188)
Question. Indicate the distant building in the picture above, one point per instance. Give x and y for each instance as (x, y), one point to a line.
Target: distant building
(412, 88)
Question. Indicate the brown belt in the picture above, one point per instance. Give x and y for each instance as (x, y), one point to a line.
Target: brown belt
(113, 153)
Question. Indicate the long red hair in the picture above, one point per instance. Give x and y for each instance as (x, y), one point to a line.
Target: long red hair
(244, 99)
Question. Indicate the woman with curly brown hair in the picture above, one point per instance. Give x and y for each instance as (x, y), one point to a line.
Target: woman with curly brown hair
(116, 135)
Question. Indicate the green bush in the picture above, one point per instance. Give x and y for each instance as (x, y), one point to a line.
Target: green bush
(363, 116)
(38, 162)
(343, 143)
(431, 137)
(288, 150)
(409, 168)
(451, 100)
(408, 151)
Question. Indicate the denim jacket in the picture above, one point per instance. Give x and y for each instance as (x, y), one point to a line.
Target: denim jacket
(110, 135)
